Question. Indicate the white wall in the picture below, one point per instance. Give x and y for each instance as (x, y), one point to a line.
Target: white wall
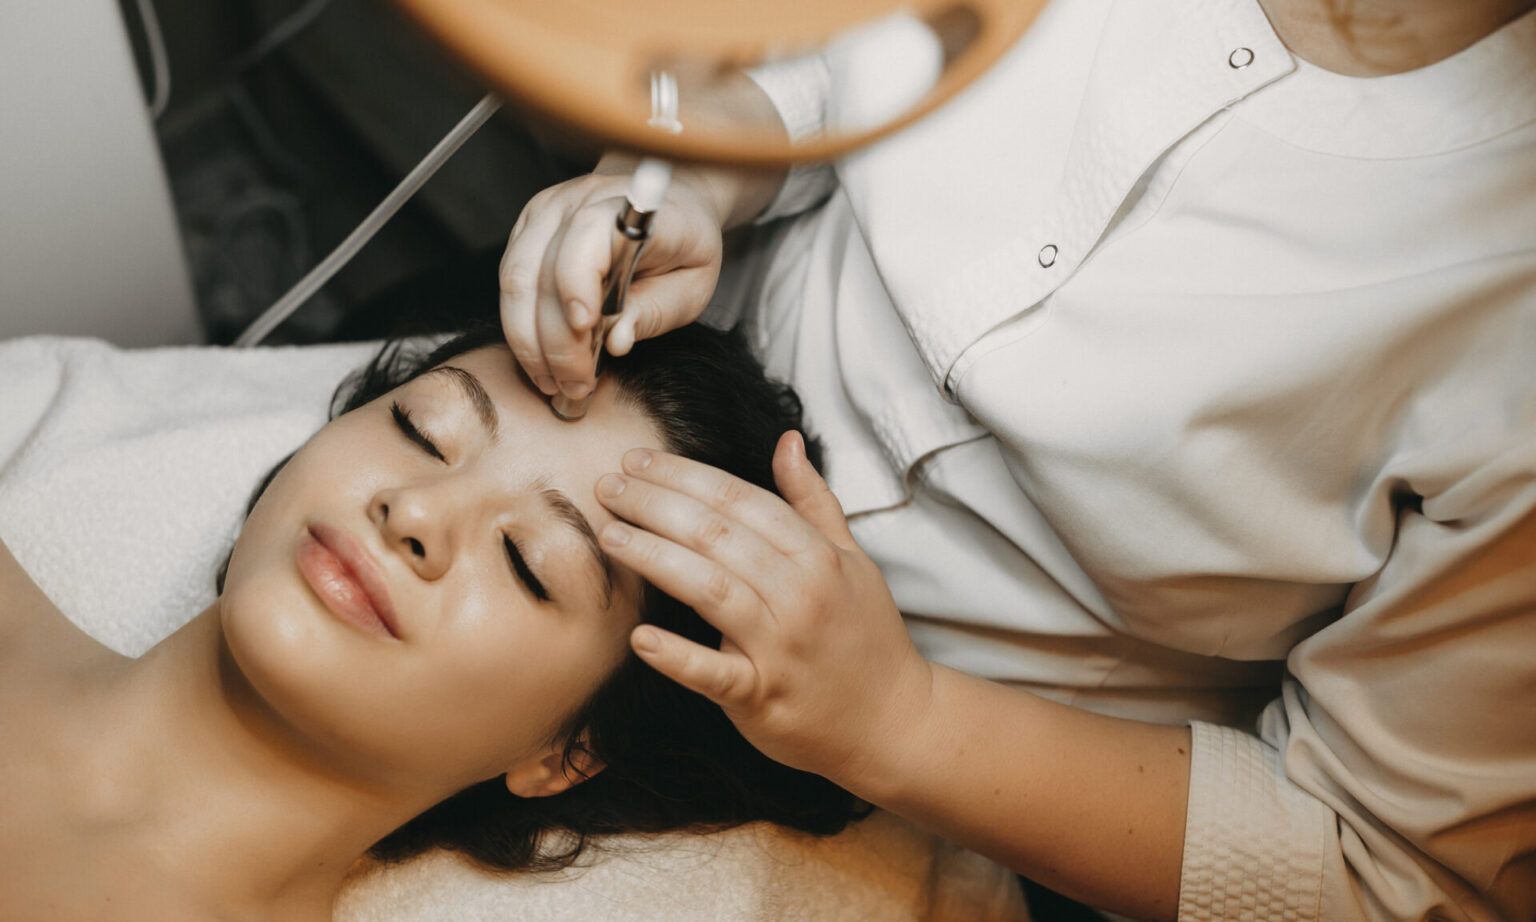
(88, 238)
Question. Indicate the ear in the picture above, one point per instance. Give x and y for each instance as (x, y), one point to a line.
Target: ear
(542, 776)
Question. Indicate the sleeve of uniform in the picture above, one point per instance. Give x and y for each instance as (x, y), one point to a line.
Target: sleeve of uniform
(798, 89)
(1395, 778)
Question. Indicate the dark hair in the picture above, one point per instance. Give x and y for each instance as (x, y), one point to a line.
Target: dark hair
(673, 760)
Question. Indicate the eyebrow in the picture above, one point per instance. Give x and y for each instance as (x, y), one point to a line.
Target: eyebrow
(559, 504)
(484, 407)
(563, 509)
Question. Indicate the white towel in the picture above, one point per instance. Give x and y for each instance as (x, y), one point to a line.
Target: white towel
(124, 475)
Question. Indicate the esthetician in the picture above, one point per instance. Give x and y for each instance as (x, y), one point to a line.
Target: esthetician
(1177, 387)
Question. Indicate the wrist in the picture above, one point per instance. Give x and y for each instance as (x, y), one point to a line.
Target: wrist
(732, 196)
(899, 738)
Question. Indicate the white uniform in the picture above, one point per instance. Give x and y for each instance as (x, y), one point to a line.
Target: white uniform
(1172, 377)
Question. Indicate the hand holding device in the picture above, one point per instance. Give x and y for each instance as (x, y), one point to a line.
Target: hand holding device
(561, 251)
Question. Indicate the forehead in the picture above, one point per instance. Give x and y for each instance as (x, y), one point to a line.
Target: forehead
(538, 452)
(524, 409)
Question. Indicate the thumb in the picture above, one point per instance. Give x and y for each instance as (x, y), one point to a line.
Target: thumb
(656, 304)
(642, 318)
(807, 493)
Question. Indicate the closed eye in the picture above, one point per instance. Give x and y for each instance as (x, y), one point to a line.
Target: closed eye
(520, 567)
(409, 430)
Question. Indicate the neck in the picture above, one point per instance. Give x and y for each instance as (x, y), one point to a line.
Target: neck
(188, 766)
(1373, 38)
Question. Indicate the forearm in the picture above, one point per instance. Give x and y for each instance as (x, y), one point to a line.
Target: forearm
(1088, 805)
(817, 671)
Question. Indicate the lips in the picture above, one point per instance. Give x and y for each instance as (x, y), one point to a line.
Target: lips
(347, 581)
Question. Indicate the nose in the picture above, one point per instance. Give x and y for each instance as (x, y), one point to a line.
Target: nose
(415, 524)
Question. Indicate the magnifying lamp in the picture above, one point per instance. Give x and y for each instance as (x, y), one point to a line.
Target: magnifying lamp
(663, 78)
(590, 65)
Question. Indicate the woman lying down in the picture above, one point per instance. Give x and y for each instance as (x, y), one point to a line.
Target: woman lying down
(417, 644)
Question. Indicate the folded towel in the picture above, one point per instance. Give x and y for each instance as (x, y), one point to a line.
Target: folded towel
(124, 476)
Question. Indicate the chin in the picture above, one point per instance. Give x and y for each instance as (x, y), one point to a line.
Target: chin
(337, 695)
(301, 672)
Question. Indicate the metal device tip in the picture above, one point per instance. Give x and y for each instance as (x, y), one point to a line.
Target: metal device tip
(568, 409)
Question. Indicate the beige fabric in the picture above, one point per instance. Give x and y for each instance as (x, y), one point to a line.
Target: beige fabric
(883, 868)
(1173, 388)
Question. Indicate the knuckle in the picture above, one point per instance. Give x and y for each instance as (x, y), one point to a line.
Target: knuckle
(713, 533)
(773, 692)
(642, 505)
(563, 358)
(515, 281)
(520, 224)
(717, 587)
(728, 684)
(824, 558)
(800, 644)
(731, 492)
(572, 272)
(646, 554)
(591, 215)
(647, 322)
(543, 197)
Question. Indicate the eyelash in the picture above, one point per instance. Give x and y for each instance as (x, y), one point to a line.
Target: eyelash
(409, 430)
(520, 568)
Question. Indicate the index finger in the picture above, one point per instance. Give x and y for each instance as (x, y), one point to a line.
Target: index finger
(760, 510)
(584, 259)
(518, 277)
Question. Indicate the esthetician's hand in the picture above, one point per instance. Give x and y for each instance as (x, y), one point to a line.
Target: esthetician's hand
(815, 667)
(560, 250)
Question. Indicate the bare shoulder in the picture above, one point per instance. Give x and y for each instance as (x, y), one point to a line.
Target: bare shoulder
(19, 595)
(29, 621)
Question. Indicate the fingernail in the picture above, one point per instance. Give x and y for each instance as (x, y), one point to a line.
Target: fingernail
(610, 485)
(638, 459)
(615, 534)
(577, 312)
(545, 383)
(646, 640)
(575, 389)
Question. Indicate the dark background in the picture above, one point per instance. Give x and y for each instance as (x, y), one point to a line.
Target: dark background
(274, 157)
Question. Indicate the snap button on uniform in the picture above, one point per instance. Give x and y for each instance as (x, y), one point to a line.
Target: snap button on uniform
(1240, 58)
(1048, 256)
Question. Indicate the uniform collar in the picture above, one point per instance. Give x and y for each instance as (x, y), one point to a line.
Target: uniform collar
(1161, 69)
(1476, 94)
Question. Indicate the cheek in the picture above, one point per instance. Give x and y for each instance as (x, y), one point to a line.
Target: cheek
(306, 486)
(512, 680)
(492, 687)
(339, 468)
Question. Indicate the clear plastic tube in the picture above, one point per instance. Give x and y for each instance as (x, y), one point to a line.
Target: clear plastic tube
(159, 62)
(306, 287)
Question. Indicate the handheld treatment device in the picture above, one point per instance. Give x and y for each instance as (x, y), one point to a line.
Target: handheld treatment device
(631, 229)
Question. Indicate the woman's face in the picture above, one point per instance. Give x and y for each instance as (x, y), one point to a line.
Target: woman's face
(419, 592)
